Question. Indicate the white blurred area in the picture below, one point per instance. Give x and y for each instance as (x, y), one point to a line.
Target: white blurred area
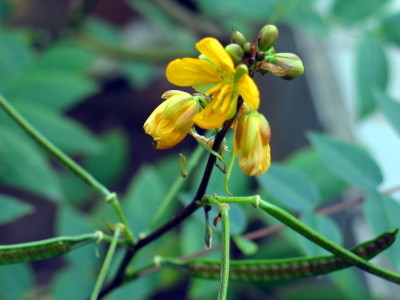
(330, 70)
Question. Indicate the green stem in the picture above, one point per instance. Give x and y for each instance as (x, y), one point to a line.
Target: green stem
(175, 188)
(224, 275)
(66, 161)
(313, 236)
(107, 262)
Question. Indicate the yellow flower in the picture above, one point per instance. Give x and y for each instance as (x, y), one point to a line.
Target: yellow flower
(170, 122)
(251, 143)
(215, 68)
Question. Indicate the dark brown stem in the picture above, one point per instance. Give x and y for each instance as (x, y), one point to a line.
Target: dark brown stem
(186, 212)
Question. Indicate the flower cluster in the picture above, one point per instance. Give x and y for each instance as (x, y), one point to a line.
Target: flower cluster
(222, 76)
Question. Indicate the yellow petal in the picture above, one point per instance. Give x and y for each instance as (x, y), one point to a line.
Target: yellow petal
(191, 71)
(249, 91)
(215, 52)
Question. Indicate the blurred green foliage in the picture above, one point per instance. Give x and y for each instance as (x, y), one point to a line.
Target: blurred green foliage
(45, 81)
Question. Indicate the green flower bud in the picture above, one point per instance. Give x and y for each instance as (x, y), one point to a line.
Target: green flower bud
(236, 52)
(247, 47)
(285, 65)
(238, 38)
(267, 38)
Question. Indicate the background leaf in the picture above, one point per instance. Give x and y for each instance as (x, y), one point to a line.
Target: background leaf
(12, 209)
(15, 281)
(144, 194)
(23, 166)
(390, 107)
(382, 213)
(57, 90)
(64, 132)
(290, 188)
(309, 163)
(356, 10)
(371, 71)
(390, 28)
(347, 161)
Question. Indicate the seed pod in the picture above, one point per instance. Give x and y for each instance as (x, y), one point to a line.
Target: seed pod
(26, 252)
(281, 269)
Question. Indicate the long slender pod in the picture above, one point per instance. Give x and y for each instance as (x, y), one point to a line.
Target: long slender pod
(26, 252)
(281, 269)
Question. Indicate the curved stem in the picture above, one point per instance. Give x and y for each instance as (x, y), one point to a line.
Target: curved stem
(66, 161)
(312, 235)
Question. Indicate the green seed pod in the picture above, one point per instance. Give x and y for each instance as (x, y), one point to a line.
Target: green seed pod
(26, 252)
(238, 38)
(236, 52)
(281, 269)
(267, 38)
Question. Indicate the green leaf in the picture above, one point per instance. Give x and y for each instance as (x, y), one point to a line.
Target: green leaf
(371, 72)
(139, 289)
(140, 74)
(390, 107)
(324, 226)
(23, 166)
(110, 162)
(390, 28)
(57, 90)
(16, 281)
(64, 132)
(191, 238)
(350, 284)
(64, 57)
(15, 55)
(227, 8)
(382, 214)
(75, 282)
(247, 247)
(348, 161)
(12, 209)
(144, 195)
(356, 10)
(289, 187)
(308, 162)
(72, 222)
(103, 30)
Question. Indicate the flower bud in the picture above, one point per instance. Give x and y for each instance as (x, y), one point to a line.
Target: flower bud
(170, 122)
(246, 47)
(267, 38)
(238, 38)
(251, 143)
(285, 65)
(235, 52)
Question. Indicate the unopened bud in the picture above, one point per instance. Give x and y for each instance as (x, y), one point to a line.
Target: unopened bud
(285, 65)
(251, 143)
(247, 47)
(268, 36)
(235, 52)
(171, 121)
(238, 38)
